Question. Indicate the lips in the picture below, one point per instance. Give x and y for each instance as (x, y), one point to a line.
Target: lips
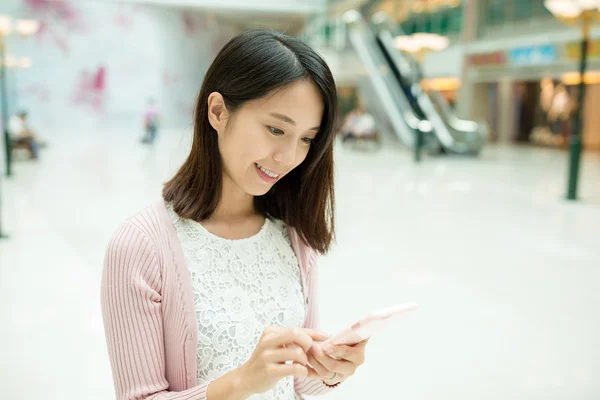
(266, 174)
(270, 173)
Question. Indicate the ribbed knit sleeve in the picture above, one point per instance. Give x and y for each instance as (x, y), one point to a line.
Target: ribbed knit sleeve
(311, 387)
(133, 320)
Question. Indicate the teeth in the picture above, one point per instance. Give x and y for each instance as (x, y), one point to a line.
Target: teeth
(266, 171)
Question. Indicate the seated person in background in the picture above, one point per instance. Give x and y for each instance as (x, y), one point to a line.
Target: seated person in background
(22, 136)
(358, 125)
(348, 125)
(365, 126)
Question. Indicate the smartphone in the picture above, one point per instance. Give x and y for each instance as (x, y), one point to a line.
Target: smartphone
(366, 327)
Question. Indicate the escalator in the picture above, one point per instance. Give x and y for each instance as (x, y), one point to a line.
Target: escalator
(452, 134)
(387, 99)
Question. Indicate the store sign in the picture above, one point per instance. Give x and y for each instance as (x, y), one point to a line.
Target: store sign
(573, 50)
(533, 55)
(497, 58)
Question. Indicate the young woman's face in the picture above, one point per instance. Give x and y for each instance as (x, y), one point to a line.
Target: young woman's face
(267, 138)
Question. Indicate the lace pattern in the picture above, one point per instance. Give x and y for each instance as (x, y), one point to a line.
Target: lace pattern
(240, 288)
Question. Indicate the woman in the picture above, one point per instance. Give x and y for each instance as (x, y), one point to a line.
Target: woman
(211, 294)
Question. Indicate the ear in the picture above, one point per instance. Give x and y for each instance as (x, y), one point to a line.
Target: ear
(217, 112)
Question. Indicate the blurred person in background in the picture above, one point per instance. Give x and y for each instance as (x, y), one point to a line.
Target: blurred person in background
(560, 113)
(546, 96)
(358, 125)
(211, 294)
(151, 122)
(542, 132)
(21, 134)
(348, 125)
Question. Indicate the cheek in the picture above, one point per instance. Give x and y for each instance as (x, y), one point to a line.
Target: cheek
(244, 147)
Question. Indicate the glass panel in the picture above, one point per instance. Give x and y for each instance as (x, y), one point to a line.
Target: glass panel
(413, 27)
(445, 22)
(456, 20)
(537, 7)
(420, 24)
(495, 12)
(540, 9)
(428, 25)
(328, 32)
(409, 27)
(406, 27)
(523, 9)
(436, 22)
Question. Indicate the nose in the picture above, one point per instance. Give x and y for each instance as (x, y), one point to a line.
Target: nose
(285, 154)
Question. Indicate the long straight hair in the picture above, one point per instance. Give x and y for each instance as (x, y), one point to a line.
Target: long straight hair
(251, 66)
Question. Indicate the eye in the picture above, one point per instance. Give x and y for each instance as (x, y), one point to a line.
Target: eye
(308, 140)
(275, 131)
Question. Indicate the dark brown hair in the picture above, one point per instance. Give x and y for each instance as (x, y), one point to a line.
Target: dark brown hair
(249, 67)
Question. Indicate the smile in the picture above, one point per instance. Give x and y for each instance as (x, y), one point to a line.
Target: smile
(266, 174)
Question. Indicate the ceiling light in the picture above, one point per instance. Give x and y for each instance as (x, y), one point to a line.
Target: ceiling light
(419, 42)
(5, 25)
(27, 27)
(570, 8)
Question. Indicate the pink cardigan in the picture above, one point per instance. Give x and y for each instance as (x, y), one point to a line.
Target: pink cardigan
(149, 316)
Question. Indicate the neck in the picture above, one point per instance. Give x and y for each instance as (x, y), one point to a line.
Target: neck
(235, 204)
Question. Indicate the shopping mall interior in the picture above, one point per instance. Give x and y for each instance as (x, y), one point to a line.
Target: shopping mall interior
(467, 180)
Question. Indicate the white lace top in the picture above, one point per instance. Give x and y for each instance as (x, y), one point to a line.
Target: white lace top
(240, 288)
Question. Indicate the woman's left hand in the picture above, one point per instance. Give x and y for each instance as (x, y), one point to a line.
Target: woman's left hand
(335, 364)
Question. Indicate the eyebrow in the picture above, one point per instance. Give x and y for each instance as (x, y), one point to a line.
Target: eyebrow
(290, 121)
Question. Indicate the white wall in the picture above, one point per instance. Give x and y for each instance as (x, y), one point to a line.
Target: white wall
(188, 49)
(445, 63)
(345, 65)
(96, 64)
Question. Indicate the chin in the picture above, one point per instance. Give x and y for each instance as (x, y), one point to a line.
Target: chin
(258, 190)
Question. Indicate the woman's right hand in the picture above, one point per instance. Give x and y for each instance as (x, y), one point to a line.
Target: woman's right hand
(267, 366)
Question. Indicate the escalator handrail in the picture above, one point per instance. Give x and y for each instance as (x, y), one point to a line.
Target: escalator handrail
(457, 123)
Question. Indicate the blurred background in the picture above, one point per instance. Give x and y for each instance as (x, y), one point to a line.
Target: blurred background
(468, 180)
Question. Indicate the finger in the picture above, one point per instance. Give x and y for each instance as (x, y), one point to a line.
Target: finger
(296, 370)
(295, 354)
(317, 336)
(319, 368)
(278, 336)
(340, 366)
(354, 354)
(312, 373)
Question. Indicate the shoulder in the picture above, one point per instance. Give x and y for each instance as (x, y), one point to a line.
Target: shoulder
(135, 251)
(150, 220)
(143, 230)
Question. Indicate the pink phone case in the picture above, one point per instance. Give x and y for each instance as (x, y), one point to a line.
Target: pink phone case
(366, 327)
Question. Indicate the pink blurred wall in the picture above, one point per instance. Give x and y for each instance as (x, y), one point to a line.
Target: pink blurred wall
(95, 65)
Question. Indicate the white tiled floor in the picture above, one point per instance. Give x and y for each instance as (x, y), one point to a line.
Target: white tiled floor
(507, 273)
